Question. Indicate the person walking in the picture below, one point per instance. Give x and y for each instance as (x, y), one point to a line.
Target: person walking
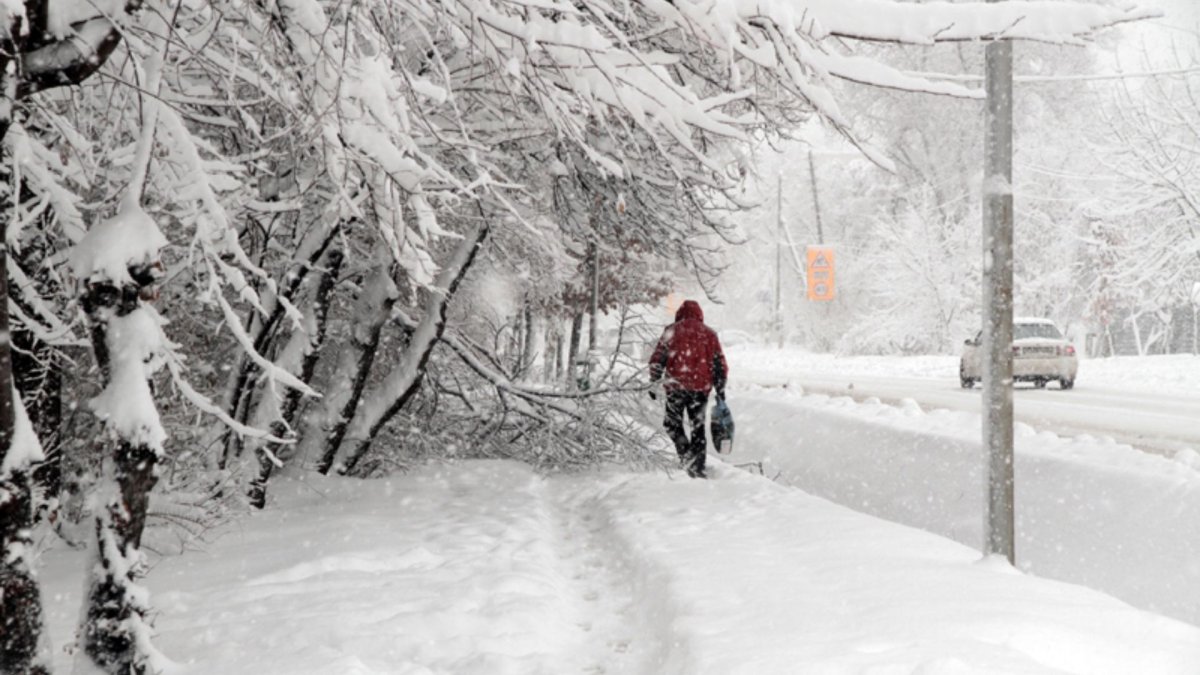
(688, 358)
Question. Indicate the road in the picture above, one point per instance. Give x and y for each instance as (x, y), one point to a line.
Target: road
(1162, 424)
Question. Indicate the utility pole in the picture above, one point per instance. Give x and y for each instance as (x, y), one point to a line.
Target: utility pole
(812, 176)
(999, 521)
(779, 260)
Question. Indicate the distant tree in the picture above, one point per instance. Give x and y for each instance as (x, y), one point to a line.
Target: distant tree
(908, 240)
(1144, 244)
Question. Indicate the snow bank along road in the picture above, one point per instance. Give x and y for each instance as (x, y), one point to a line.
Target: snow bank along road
(486, 568)
(1089, 510)
(1152, 403)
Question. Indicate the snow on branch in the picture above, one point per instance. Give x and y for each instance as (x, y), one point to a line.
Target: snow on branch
(271, 370)
(72, 58)
(108, 250)
(136, 346)
(46, 326)
(636, 65)
(42, 172)
(1055, 21)
(24, 448)
(205, 404)
(214, 232)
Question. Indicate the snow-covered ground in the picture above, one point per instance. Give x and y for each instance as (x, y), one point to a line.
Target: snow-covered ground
(1151, 402)
(485, 567)
(1090, 510)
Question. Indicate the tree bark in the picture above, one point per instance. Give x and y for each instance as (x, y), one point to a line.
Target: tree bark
(554, 373)
(37, 365)
(240, 393)
(285, 425)
(115, 615)
(573, 348)
(405, 379)
(21, 630)
(527, 348)
(42, 63)
(31, 60)
(357, 357)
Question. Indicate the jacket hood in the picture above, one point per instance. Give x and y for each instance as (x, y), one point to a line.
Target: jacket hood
(690, 309)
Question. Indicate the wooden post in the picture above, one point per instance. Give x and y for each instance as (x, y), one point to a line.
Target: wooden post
(998, 304)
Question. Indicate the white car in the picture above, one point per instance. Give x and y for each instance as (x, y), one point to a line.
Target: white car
(1040, 354)
(732, 337)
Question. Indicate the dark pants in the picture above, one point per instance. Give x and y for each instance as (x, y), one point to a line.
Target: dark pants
(691, 450)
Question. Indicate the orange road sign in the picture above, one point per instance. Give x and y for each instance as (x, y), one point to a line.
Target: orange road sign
(820, 273)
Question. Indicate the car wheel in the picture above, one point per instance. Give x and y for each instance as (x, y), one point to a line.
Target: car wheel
(1039, 383)
(1067, 383)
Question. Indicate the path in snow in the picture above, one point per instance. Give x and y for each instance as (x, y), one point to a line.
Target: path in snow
(602, 582)
(473, 570)
(484, 567)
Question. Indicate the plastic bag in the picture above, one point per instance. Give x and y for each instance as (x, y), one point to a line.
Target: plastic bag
(720, 425)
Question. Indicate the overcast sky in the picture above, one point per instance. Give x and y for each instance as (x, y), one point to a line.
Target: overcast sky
(1181, 12)
(1181, 21)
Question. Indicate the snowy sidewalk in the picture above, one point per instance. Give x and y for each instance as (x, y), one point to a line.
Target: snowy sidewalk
(1089, 511)
(762, 578)
(452, 570)
(485, 567)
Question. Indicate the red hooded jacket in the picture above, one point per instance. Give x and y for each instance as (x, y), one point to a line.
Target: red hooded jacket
(689, 353)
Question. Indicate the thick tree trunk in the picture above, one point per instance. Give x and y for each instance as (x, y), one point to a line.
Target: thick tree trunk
(115, 630)
(405, 379)
(240, 392)
(114, 616)
(21, 629)
(374, 309)
(238, 406)
(34, 59)
(285, 425)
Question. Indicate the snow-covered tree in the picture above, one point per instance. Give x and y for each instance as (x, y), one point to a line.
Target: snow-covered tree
(281, 171)
(44, 45)
(1144, 243)
(908, 240)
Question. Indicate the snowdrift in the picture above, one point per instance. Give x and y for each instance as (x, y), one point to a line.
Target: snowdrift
(486, 567)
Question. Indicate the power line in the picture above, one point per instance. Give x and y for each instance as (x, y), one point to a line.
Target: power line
(1044, 79)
